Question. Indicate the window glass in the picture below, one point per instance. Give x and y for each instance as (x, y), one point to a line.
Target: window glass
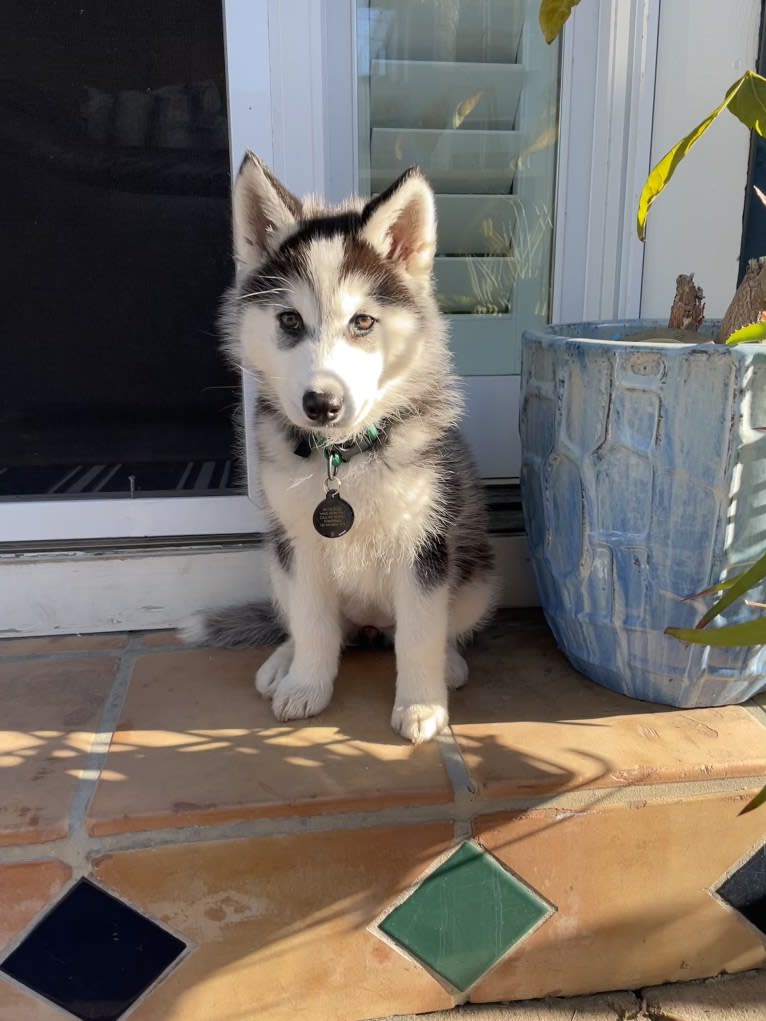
(468, 90)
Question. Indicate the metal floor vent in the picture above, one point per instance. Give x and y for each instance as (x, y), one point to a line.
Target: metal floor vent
(131, 479)
(504, 506)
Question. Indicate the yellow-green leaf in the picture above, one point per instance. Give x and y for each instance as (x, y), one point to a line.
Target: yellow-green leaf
(554, 15)
(759, 799)
(747, 101)
(749, 334)
(752, 632)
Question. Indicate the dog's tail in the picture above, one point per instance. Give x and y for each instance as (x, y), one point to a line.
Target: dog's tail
(234, 627)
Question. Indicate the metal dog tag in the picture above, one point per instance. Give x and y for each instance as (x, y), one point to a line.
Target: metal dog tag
(333, 516)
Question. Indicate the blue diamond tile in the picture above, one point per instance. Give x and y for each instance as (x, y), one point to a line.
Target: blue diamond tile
(92, 954)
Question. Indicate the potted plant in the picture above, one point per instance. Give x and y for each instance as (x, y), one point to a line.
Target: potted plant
(644, 479)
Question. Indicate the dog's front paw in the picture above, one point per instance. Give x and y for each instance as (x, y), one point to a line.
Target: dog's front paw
(295, 698)
(419, 722)
(274, 669)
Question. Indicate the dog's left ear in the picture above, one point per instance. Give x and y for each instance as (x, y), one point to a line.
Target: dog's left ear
(400, 224)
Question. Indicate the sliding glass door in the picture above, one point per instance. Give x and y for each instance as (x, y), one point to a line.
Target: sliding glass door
(116, 409)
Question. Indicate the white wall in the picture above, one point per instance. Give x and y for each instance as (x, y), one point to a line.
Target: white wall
(696, 224)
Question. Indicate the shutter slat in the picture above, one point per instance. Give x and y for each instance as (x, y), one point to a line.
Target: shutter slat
(476, 224)
(462, 30)
(474, 284)
(455, 161)
(430, 94)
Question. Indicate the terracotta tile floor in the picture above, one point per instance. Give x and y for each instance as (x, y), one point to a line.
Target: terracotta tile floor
(273, 850)
(194, 718)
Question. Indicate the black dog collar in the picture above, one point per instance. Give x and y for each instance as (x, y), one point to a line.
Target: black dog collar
(336, 453)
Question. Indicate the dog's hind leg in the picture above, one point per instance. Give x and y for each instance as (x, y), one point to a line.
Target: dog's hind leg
(274, 669)
(470, 606)
(457, 668)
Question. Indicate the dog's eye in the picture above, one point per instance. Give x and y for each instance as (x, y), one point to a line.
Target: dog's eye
(290, 321)
(362, 323)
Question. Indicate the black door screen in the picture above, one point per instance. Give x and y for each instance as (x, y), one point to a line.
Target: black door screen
(114, 172)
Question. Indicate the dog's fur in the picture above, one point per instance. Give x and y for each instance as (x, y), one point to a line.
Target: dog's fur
(417, 557)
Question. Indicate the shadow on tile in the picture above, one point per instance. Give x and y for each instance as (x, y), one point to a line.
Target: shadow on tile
(49, 713)
(197, 744)
(529, 723)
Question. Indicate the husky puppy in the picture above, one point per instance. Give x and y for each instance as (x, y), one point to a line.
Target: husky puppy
(377, 518)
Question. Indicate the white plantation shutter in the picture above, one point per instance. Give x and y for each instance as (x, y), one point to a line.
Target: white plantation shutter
(468, 90)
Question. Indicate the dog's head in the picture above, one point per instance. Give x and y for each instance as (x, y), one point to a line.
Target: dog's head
(332, 305)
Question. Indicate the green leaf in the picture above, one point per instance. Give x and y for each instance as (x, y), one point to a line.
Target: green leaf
(752, 632)
(759, 799)
(747, 101)
(742, 583)
(722, 586)
(554, 14)
(748, 334)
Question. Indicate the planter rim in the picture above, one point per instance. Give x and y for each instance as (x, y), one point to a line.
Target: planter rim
(578, 333)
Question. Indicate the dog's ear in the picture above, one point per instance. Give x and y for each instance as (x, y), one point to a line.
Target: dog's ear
(400, 223)
(264, 210)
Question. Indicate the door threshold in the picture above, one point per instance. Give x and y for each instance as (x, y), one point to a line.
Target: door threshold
(131, 544)
(135, 585)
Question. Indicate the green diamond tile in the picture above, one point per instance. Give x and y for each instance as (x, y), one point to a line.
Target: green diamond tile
(465, 916)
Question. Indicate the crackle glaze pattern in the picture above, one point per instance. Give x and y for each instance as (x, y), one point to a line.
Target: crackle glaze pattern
(644, 482)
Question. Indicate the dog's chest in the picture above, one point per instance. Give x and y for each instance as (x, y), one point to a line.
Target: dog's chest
(393, 510)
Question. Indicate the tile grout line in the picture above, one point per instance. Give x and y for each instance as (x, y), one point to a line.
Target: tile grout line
(567, 802)
(454, 765)
(69, 654)
(90, 773)
(63, 655)
(463, 787)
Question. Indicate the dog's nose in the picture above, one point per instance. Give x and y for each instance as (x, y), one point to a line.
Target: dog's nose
(321, 407)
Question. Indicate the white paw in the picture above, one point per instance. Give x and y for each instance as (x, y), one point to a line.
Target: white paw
(457, 668)
(295, 698)
(420, 722)
(274, 669)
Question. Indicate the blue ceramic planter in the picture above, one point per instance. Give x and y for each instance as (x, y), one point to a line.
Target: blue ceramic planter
(643, 482)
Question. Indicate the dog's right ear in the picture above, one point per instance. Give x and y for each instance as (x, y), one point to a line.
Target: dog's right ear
(264, 211)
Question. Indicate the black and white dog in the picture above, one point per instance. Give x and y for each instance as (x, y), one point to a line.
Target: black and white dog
(377, 517)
